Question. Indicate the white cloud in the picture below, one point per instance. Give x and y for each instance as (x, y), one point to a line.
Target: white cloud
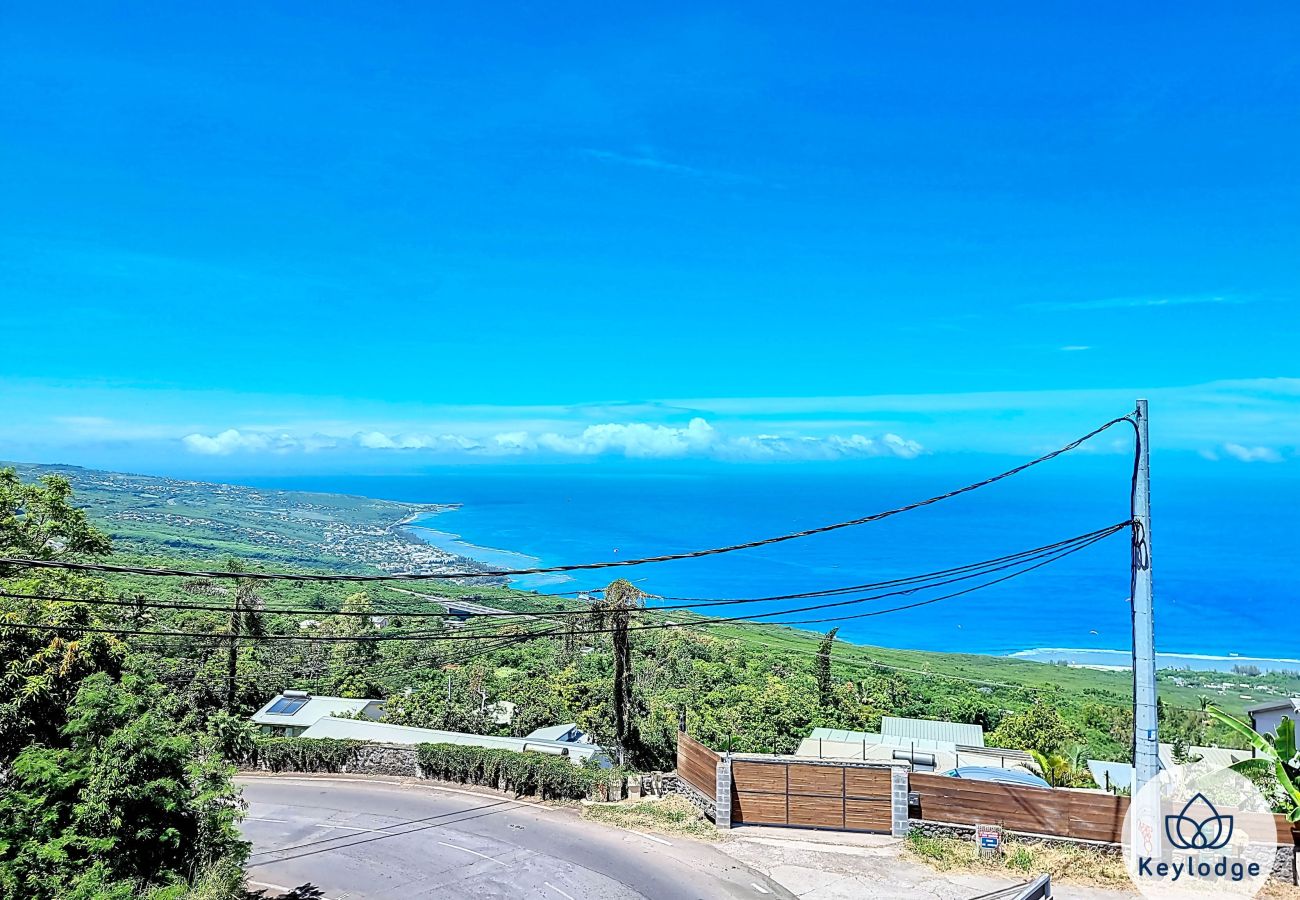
(1075, 348)
(378, 440)
(225, 443)
(1132, 302)
(637, 440)
(1252, 454)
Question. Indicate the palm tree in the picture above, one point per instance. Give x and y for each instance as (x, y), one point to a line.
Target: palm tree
(1061, 769)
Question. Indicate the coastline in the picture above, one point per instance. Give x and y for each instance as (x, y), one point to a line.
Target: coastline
(1118, 660)
(428, 527)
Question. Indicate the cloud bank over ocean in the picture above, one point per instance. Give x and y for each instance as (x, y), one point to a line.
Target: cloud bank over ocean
(1241, 422)
(696, 439)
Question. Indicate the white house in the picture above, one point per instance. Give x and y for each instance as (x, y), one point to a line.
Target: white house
(290, 713)
(383, 733)
(1265, 717)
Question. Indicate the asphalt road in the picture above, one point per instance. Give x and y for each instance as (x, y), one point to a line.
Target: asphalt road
(360, 838)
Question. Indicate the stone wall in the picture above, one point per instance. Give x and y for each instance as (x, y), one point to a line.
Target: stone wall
(671, 783)
(376, 759)
(386, 759)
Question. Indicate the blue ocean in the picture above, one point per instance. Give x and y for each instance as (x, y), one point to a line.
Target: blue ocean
(1223, 544)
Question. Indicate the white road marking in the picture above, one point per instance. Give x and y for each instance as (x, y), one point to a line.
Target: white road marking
(651, 837)
(325, 825)
(401, 784)
(475, 852)
(558, 891)
(758, 887)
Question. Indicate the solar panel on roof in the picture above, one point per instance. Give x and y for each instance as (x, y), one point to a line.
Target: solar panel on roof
(286, 706)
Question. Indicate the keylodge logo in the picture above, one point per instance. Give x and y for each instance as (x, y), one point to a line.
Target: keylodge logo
(1198, 829)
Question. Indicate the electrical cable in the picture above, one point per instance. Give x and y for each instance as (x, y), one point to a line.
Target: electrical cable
(973, 570)
(1077, 544)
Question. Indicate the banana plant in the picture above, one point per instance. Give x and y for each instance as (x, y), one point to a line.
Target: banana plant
(1278, 755)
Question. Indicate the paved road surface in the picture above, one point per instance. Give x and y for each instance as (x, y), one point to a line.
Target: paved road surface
(366, 838)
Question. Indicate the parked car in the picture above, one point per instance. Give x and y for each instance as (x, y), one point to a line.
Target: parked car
(1014, 777)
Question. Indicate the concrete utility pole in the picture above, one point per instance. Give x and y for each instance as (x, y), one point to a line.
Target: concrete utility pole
(1146, 759)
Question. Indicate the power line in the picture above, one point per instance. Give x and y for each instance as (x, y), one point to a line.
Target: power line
(668, 557)
(1073, 545)
(966, 571)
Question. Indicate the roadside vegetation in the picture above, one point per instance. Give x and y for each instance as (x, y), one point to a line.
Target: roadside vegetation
(670, 815)
(1075, 864)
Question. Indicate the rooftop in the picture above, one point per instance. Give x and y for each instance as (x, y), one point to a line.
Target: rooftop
(298, 708)
(1121, 773)
(1292, 703)
(383, 733)
(933, 730)
(569, 733)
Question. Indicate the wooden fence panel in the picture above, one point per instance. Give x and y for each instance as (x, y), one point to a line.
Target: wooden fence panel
(1097, 817)
(867, 783)
(816, 812)
(697, 764)
(817, 780)
(1080, 815)
(965, 802)
(867, 815)
(756, 776)
(752, 808)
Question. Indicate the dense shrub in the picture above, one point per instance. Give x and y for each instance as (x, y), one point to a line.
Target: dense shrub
(528, 773)
(284, 754)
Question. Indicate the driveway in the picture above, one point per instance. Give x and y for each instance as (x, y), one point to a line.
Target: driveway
(840, 865)
(357, 838)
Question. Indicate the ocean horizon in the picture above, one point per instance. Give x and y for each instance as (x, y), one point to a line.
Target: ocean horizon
(1222, 593)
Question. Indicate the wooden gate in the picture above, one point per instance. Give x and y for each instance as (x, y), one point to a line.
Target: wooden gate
(810, 795)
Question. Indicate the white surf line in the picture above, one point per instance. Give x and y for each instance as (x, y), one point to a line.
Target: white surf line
(475, 852)
(758, 887)
(558, 891)
(651, 837)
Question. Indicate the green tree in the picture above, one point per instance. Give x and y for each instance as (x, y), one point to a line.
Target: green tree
(824, 696)
(1039, 728)
(39, 521)
(40, 670)
(614, 611)
(352, 662)
(124, 803)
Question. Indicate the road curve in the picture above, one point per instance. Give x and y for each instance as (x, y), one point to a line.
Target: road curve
(367, 839)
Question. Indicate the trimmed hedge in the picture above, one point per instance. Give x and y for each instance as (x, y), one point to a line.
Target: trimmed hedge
(529, 773)
(295, 754)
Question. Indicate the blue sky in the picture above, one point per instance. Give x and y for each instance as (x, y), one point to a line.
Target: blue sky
(421, 232)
